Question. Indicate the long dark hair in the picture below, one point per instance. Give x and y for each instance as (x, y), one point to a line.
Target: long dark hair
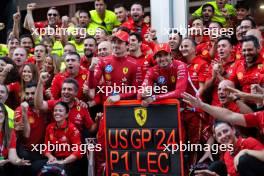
(5, 128)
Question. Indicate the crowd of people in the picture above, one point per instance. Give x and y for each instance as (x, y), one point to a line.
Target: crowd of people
(55, 79)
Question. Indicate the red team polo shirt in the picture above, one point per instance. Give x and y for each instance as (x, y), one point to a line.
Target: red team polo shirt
(246, 76)
(143, 29)
(175, 78)
(116, 71)
(255, 119)
(241, 144)
(77, 115)
(58, 79)
(198, 71)
(66, 134)
(12, 144)
(228, 66)
(85, 63)
(37, 126)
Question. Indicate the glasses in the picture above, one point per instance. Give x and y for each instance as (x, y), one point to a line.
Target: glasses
(52, 14)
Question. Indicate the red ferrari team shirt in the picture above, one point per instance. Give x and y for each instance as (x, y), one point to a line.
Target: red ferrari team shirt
(57, 82)
(37, 126)
(12, 144)
(77, 115)
(244, 76)
(65, 135)
(198, 72)
(174, 78)
(241, 144)
(117, 72)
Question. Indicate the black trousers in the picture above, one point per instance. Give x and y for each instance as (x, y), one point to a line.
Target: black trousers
(10, 170)
(250, 166)
(247, 166)
(37, 160)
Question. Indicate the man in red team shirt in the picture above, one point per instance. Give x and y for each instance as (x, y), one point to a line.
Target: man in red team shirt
(175, 39)
(221, 68)
(251, 70)
(117, 69)
(30, 126)
(136, 22)
(90, 47)
(135, 52)
(171, 76)
(73, 70)
(195, 121)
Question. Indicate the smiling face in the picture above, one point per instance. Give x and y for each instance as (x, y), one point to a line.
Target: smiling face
(48, 64)
(174, 41)
(27, 74)
(59, 113)
(250, 52)
(27, 43)
(187, 48)
(53, 17)
(3, 94)
(134, 44)
(68, 92)
(224, 134)
(121, 14)
(163, 59)
(119, 47)
(137, 13)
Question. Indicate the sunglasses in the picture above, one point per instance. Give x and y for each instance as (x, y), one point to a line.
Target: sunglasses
(52, 14)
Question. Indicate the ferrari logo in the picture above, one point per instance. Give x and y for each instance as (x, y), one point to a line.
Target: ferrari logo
(260, 66)
(205, 52)
(173, 79)
(240, 75)
(195, 66)
(125, 70)
(140, 116)
(83, 77)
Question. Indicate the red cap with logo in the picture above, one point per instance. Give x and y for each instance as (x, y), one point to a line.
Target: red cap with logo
(122, 35)
(162, 47)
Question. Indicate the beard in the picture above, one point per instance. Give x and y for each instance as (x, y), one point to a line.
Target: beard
(89, 55)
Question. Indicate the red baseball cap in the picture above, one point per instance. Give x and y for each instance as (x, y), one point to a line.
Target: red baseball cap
(122, 35)
(162, 47)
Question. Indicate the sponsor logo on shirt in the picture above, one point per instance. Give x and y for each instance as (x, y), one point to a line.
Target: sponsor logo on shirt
(161, 80)
(109, 68)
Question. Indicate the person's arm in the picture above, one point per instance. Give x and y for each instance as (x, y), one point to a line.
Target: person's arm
(246, 96)
(26, 130)
(14, 159)
(38, 98)
(95, 125)
(95, 73)
(16, 19)
(181, 84)
(30, 21)
(217, 112)
(243, 107)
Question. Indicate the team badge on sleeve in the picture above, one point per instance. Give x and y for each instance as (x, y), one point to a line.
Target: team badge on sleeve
(84, 77)
(109, 68)
(161, 80)
(125, 70)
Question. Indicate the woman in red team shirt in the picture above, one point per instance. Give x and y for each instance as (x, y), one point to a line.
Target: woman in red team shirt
(65, 137)
(52, 66)
(8, 154)
(29, 74)
(244, 156)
